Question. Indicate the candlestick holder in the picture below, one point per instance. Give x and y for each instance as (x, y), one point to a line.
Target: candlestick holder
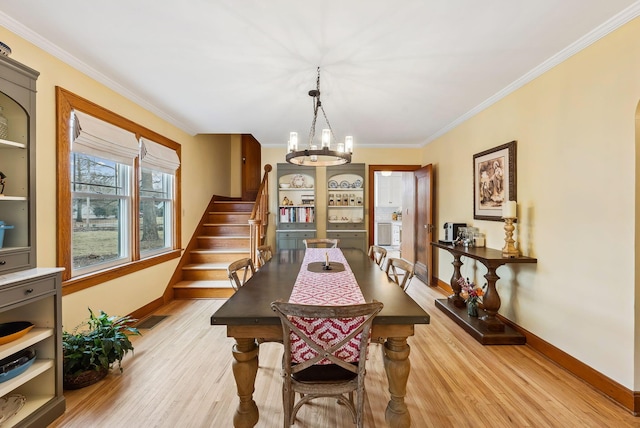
(509, 250)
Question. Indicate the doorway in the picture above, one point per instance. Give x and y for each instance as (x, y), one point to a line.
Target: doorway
(391, 208)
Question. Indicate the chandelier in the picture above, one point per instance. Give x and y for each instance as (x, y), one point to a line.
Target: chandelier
(323, 156)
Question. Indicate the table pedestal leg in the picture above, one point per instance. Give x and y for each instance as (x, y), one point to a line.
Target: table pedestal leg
(455, 298)
(491, 302)
(397, 366)
(245, 368)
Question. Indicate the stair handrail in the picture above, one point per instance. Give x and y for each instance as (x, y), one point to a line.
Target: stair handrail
(259, 219)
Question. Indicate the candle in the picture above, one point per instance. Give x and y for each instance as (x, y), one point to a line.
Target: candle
(326, 258)
(509, 209)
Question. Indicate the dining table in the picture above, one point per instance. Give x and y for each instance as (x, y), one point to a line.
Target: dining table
(249, 319)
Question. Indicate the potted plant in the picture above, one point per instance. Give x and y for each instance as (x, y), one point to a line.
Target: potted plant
(90, 352)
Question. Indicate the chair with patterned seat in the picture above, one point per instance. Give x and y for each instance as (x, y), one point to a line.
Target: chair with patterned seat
(308, 375)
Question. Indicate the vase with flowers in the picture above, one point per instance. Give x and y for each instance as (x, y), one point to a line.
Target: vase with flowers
(471, 293)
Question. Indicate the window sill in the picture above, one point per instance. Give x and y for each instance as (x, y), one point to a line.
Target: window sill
(95, 278)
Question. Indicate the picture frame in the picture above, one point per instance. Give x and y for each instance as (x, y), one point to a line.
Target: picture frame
(494, 181)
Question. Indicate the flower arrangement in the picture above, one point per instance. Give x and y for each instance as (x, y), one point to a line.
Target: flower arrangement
(469, 291)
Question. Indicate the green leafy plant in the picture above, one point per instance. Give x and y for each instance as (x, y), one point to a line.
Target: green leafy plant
(99, 345)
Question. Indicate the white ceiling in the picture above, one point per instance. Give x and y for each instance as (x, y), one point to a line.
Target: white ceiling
(394, 73)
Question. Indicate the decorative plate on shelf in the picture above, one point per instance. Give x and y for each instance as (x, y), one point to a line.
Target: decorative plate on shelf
(333, 184)
(357, 184)
(11, 331)
(10, 405)
(298, 181)
(344, 184)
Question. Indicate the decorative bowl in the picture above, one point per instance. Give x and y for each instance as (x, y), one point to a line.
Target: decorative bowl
(285, 185)
(11, 331)
(16, 364)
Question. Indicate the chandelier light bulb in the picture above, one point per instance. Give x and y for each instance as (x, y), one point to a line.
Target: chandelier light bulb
(326, 138)
(293, 141)
(348, 143)
(341, 147)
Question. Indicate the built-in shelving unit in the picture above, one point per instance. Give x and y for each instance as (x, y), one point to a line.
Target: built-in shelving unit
(27, 293)
(296, 216)
(346, 205)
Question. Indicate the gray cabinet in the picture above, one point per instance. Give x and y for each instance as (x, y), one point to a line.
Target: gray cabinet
(350, 239)
(292, 239)
(27, 293)
(17, 164)
(296, 215)
(346, 205)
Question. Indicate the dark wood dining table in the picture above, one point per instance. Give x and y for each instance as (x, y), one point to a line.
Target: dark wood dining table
(250, 320)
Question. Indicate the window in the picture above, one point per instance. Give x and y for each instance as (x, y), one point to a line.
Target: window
(117, 194)
(158, 166)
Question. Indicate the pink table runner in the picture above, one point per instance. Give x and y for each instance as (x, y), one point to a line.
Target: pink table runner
(325, 289)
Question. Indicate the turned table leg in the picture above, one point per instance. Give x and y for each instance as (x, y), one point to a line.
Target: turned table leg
(491, 302)
(397, 367)
(455, 298)
(245, 368)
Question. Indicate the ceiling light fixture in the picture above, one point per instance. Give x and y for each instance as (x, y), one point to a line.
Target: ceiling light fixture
(312, 155)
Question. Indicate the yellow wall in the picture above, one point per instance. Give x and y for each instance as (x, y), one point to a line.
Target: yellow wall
(576, 175)
(205, 171)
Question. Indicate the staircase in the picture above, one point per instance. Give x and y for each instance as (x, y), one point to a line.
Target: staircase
(223, 238)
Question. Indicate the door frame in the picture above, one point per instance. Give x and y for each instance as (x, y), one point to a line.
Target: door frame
(372, 203)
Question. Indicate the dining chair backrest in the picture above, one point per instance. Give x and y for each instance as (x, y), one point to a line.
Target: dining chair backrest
(264, 253)
(246, 266)
(378, 254)
(400, 271)
(321, 243)
(311, 379)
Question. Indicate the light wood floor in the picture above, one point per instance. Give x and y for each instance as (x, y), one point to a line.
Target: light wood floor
(180, 376)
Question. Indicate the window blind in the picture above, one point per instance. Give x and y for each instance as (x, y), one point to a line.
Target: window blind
(158, 157)
(98, 138)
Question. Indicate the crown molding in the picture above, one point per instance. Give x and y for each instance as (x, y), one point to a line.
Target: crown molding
(599, 32)
(64, 56)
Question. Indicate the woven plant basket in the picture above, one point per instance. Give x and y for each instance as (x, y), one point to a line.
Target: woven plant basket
(85, 378)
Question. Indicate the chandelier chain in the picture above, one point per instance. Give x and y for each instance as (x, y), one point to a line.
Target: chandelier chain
(317, 104)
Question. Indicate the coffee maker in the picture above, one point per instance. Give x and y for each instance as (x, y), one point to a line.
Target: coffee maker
(451, 232)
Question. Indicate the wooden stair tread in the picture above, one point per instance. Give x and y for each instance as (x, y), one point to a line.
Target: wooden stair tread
(204, 284)
(220, 251)
(206, 266)
(224, 236)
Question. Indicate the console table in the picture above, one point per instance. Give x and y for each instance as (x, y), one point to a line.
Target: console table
(487, 329)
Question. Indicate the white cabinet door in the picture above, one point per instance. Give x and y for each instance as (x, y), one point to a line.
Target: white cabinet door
(389, 191)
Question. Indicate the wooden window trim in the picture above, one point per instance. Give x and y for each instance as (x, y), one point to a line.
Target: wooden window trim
(66, 102)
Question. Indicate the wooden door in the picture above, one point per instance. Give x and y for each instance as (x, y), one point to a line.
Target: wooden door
(251, 167)
(407, 242)
(424, 223)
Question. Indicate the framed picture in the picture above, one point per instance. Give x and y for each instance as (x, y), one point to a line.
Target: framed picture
(494, 181)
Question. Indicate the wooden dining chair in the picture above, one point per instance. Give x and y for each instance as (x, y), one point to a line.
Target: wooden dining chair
(400, 271)
(244, 265)
(264, 253)
(378, 254)
(321, 243)
(339, 379)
